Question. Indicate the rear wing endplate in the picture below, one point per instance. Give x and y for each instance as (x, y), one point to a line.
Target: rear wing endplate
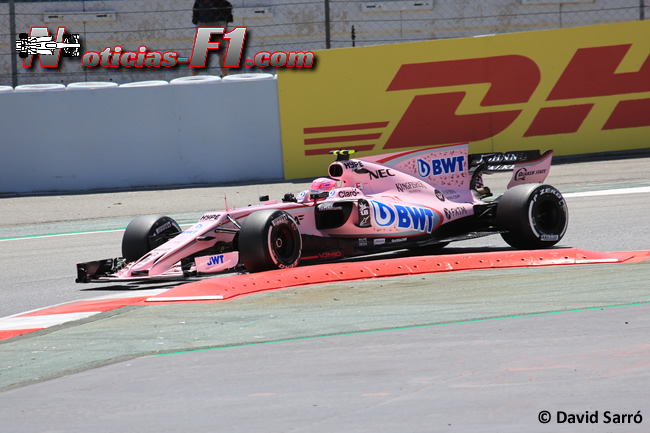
(527, 166)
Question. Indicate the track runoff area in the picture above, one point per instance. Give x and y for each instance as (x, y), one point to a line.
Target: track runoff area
(230, 287)
(465, 342)
(236, 286)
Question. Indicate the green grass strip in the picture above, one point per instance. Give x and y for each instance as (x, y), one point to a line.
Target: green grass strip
(404, 328)
(49, 235)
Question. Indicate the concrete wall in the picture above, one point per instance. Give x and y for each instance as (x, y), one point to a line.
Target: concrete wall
(122, 137)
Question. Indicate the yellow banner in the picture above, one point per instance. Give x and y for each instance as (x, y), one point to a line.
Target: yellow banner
(576, 90)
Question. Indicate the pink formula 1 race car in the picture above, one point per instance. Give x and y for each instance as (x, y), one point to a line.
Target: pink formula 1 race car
(416, 199)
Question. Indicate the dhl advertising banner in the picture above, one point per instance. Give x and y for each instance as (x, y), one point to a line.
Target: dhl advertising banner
(576, 90)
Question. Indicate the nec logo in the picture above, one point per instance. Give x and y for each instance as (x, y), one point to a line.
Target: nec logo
(440, 166)
(431, 119)
(383, 173)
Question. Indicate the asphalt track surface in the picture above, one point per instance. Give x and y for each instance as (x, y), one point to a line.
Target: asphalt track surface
(468, 351)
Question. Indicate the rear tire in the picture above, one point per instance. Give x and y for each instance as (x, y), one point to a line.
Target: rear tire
(146, 233)
(534, 216)
(269, 239)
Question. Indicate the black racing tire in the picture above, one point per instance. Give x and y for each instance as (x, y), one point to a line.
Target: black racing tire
(269, 239)
(532, 216)
(145, 233)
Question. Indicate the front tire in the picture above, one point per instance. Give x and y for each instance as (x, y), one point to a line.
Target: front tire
(269, 239)
(146, 233)
(533, 216)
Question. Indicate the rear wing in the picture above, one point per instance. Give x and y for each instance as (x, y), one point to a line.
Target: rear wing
(527, 166)
(497, 161)
(452, 166)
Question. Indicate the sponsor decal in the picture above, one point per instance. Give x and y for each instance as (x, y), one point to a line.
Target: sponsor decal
(280, 219)
(301, 196)
(210, 217)
(363, 242)
(380, 241)
(437, 167)
(330, 255)
(364, 213)
(352, 165)
(408, 186)
(397, 240)
(502, 161)
(455, 212)
(380, 174)
(326, 207)
(347, 194)
(215, 260)
(522, 173)
(298, 218)
(549, 190)
(433, 98)
(451, 194)
(440, 196)
(193, 230)
(163, 227)
(406, 217)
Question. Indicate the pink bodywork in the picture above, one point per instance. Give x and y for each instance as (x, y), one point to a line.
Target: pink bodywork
(407, 194)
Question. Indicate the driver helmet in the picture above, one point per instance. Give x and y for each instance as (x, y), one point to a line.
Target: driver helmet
(322, 185)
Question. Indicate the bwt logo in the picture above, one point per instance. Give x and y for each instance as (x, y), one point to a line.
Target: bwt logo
(440, 166)
(418, 218)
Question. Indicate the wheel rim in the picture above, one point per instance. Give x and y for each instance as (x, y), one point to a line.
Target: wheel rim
(284, 244)
(547, 216)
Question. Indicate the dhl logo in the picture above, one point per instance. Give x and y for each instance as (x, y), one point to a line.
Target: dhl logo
(433, 119)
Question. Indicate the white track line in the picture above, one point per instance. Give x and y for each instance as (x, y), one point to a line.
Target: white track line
(40, 322)
(637, 190)
(186, 298)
